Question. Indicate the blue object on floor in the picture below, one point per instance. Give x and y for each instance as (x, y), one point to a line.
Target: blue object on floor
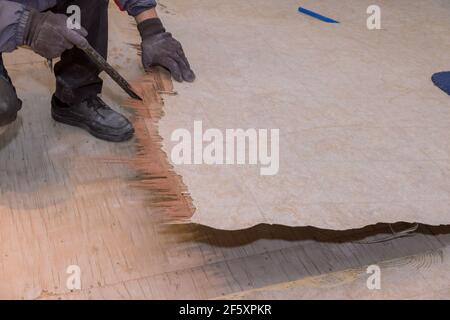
(442, 81)
(316, 15)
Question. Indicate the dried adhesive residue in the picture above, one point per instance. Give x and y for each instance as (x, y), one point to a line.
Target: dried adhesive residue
(167, 191)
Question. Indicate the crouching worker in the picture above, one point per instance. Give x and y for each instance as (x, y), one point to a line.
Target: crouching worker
(42, 26)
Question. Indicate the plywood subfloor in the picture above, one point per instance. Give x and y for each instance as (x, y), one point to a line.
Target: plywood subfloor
(62, 205)
(423, 276)
(363, 131)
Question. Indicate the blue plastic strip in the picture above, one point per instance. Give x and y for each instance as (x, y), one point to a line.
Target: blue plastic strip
(442, 81)
(316, 15)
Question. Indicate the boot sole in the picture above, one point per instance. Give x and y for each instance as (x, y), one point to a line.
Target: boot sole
(103, 136)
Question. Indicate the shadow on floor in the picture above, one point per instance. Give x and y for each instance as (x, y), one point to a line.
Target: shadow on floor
(381, 232)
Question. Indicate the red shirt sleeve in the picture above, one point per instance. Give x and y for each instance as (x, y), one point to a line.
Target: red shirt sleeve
(119, 5)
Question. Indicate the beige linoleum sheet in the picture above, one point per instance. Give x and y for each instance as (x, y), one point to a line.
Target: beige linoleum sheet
(364, 136)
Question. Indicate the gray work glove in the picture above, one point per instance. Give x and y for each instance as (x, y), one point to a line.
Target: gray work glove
(47, 34)
(159, 48)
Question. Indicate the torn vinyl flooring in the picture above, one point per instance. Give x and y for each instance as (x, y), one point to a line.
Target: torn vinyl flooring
(363, 132)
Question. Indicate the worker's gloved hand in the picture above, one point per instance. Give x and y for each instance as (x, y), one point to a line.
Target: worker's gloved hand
(159, 48)
(48, 35)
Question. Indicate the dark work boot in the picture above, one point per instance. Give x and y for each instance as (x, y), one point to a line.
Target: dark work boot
(10, 104)
(94, 116)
